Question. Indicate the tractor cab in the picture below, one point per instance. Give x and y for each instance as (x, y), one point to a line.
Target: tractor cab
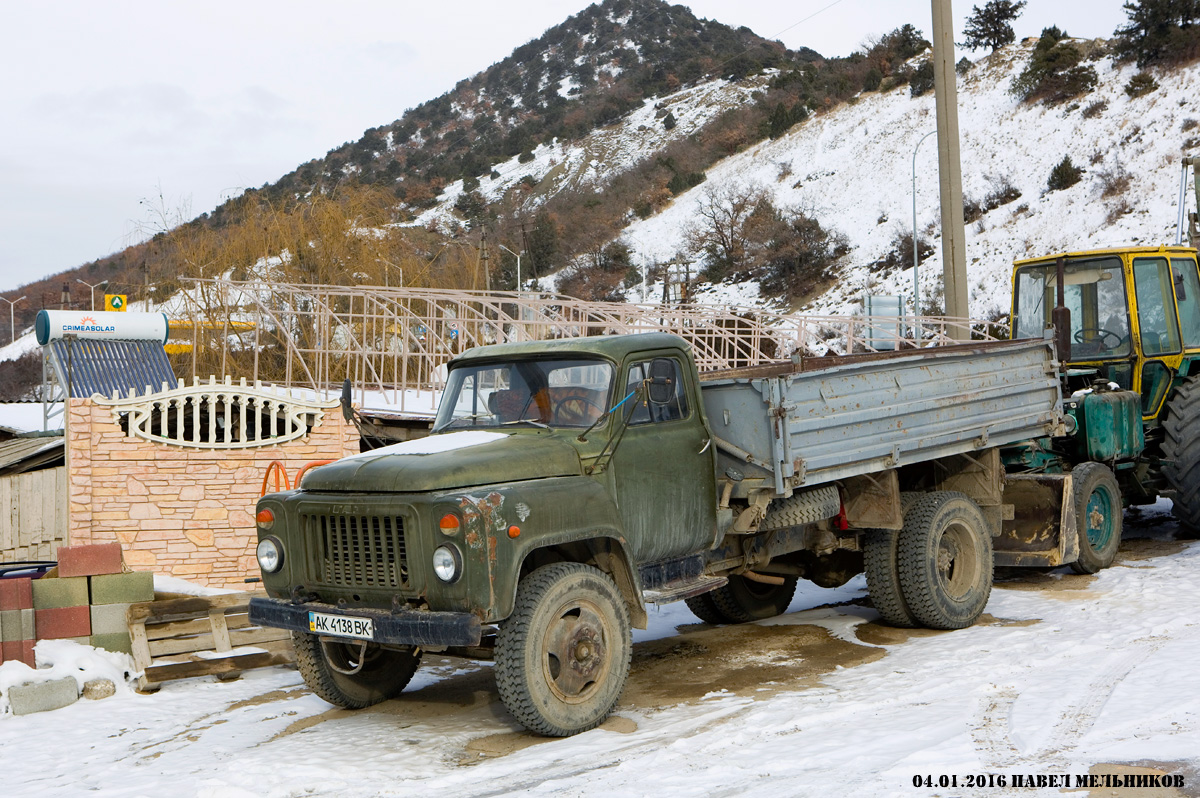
(1134, 316)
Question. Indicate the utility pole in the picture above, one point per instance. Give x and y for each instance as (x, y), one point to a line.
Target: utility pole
(954, 253)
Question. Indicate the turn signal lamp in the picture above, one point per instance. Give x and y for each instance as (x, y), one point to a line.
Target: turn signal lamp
(514, 531)
(265, 519)
(449, 524)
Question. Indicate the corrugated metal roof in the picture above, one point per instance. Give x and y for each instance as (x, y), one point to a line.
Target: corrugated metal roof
(28, 454)
(89, 366)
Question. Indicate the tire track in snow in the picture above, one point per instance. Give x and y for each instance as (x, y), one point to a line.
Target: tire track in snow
(990, 731)
(1078, 718)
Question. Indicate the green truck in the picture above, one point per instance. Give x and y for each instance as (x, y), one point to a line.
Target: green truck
(569, 484)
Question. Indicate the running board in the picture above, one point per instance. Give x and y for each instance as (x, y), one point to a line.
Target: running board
(683, 589)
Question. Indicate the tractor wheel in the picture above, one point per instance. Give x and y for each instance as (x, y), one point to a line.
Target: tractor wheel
(1181, 450)
(1098, 511)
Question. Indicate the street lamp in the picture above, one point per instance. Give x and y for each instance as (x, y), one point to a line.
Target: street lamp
(516, 255)
(93, 288)
(12, 324)
(916, 253)
(387, 263)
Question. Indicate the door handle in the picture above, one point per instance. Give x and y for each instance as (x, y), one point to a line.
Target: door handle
(704, 449)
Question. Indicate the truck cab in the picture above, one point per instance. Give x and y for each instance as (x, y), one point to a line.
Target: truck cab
(538, 496)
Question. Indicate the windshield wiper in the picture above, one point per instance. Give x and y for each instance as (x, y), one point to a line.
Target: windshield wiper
(529, 421)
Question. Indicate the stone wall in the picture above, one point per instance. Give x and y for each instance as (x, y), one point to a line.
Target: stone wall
(182, 511)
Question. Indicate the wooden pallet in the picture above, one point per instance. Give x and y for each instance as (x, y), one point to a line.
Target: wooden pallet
(169, 635)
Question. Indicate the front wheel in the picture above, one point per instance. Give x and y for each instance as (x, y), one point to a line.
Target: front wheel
(1097, 498)
(945, 560)
(353, 674)
(563, 655)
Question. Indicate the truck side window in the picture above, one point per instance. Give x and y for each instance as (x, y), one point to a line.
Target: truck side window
(1152, 281)
(646, 413)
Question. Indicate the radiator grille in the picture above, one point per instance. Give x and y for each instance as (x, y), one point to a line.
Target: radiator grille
(358, 550)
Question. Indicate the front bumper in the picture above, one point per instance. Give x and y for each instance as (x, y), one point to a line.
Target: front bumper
(405, 627)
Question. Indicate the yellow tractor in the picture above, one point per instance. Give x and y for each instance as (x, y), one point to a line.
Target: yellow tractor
(1126, 320)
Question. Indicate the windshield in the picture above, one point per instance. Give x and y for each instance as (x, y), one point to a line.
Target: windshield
(1094, 292)
(545, 393)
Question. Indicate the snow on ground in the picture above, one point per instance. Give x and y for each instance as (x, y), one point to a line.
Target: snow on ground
(1062, 675)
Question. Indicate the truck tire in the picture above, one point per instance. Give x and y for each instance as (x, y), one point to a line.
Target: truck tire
(743, 600)
(1181, 451)
(1098, 512)
(804, 507)
(384, 673)
(881, 563)
(945, 560)
(563, 655)
(704, 608)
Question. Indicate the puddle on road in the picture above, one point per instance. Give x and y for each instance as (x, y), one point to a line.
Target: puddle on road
(879, 635)
(746, 660)
(1183, 769)
(1054, 584)
(1138, 549)
(739, 659)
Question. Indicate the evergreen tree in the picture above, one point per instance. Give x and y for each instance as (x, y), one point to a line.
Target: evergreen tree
(991, 26)
(1158, 31)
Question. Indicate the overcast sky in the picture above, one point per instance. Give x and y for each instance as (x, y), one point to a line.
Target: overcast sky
(108, 104)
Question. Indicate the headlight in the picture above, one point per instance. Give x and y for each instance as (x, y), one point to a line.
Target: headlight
(270, 555)
(447, 563)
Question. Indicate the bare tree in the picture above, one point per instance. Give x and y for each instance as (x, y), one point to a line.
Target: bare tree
(723, 230)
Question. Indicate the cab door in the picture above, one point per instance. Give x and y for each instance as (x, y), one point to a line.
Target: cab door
(663, 469)
(1161, 345)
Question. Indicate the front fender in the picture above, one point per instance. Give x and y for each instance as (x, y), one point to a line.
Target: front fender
(549, 512)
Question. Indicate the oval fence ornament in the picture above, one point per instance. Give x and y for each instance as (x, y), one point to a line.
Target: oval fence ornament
(216, 415)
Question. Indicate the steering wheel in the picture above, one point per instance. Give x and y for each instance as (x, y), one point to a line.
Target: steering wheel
(1088, 335)
(576, 409)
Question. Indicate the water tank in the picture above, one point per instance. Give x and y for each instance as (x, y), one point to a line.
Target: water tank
(101, 325)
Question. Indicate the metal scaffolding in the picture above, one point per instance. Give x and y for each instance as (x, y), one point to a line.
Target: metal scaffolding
(390, 339)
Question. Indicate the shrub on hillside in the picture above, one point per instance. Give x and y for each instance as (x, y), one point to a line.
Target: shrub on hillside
(921, 79)
(1064, 175)
(1055, 72)
(1141, 83)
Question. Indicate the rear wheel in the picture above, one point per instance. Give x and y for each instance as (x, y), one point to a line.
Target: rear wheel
(353, 674)
(945, 560)
(704, 608)
(1097, 498)
(563, 655)
(881, 563)
(744, 600)
(1181, 451)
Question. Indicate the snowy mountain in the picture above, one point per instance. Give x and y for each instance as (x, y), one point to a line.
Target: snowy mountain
(851, 168)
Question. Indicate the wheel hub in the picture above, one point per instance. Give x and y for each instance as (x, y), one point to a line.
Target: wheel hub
(575, 658)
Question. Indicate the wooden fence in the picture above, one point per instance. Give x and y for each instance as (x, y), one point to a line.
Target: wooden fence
(33, 514)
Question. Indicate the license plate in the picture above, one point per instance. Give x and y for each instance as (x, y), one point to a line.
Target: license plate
(341, 625)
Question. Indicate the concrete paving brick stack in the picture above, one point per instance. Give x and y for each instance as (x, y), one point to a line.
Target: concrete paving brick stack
(17, 620)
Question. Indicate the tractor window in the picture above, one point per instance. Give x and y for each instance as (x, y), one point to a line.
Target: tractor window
(1094, 292)
(1187, 295)
(1156, 306)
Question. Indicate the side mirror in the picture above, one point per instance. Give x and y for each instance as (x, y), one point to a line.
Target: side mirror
(661, 381)
(1180, 292)
(347, 409)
